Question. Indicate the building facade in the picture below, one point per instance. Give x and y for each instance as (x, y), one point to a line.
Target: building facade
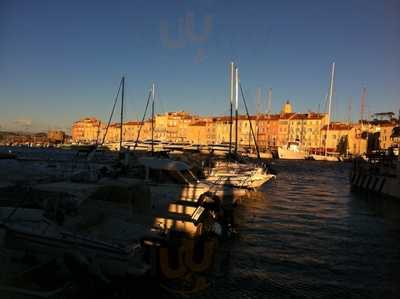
(269, 131)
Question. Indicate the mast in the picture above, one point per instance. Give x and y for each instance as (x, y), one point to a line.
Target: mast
(258, 104)
(251, 127)
(329, 104)
(232, 74)
(122, 113)
(269, 111)
(152, 119)
(236, 107)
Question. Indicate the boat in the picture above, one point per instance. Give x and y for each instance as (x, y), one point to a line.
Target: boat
(379, 175)
(328, 156)
(8, 155)
(263, 155)
(143, 240)
(248, 179)
(230, 171)
(28, 231)
(292, 151)
(169, 178)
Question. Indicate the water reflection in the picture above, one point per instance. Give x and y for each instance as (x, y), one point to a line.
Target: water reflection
(309, 236)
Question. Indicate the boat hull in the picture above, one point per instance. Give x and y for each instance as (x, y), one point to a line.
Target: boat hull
(325, 158)
(286, 154)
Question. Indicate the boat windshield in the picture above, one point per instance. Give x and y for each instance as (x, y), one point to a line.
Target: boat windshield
(188, 176)
(166, 176)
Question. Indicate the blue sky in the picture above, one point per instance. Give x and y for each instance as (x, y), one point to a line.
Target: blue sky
(63, 60)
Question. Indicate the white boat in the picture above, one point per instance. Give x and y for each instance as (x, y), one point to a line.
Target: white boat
(292, 151)
(330, 158)
(263, 155)
(174, 179)
(240, 175)
(249, 179)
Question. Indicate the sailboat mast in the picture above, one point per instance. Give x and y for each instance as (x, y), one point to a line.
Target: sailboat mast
(152, 119)
(236, 107)
(258, 104)
(232, 74)
(269, 111)
(329, 104)
(122, 114)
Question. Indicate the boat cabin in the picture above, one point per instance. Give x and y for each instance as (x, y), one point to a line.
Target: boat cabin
(165, 171)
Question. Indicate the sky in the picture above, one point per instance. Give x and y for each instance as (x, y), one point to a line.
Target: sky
(63, 60)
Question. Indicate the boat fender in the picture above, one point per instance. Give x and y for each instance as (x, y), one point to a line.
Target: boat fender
(165, 265)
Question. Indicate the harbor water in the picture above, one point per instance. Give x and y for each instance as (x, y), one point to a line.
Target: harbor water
(308, 236)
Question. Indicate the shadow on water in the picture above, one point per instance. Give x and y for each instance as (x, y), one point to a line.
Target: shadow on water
(308, 236)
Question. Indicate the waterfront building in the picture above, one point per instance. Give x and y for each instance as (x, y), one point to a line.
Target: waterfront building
(267, 130)
(86, 130)
(336, 138)
(197, 133)
(56, 136)
(172, 126)
(270, 130)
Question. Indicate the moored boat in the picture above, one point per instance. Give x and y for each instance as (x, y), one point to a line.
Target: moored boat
(292, 151)
(379, 175)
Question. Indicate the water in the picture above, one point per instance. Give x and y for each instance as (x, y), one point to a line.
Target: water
(310, 237)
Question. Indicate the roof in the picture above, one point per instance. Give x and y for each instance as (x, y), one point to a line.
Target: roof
(133, 123)
(240, 117)
(165, 164)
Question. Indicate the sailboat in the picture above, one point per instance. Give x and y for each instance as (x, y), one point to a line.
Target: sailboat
(326, 156)
(232, 172)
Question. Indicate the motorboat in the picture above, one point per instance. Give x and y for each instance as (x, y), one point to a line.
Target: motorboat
(292, 151)
(174, 179)
(240, 175)
(327, 157)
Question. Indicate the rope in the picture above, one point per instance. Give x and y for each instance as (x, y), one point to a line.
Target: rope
(142, 123)
(251, 127)
(112, 112)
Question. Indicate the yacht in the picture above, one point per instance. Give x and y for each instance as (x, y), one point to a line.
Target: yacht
(292, 151)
